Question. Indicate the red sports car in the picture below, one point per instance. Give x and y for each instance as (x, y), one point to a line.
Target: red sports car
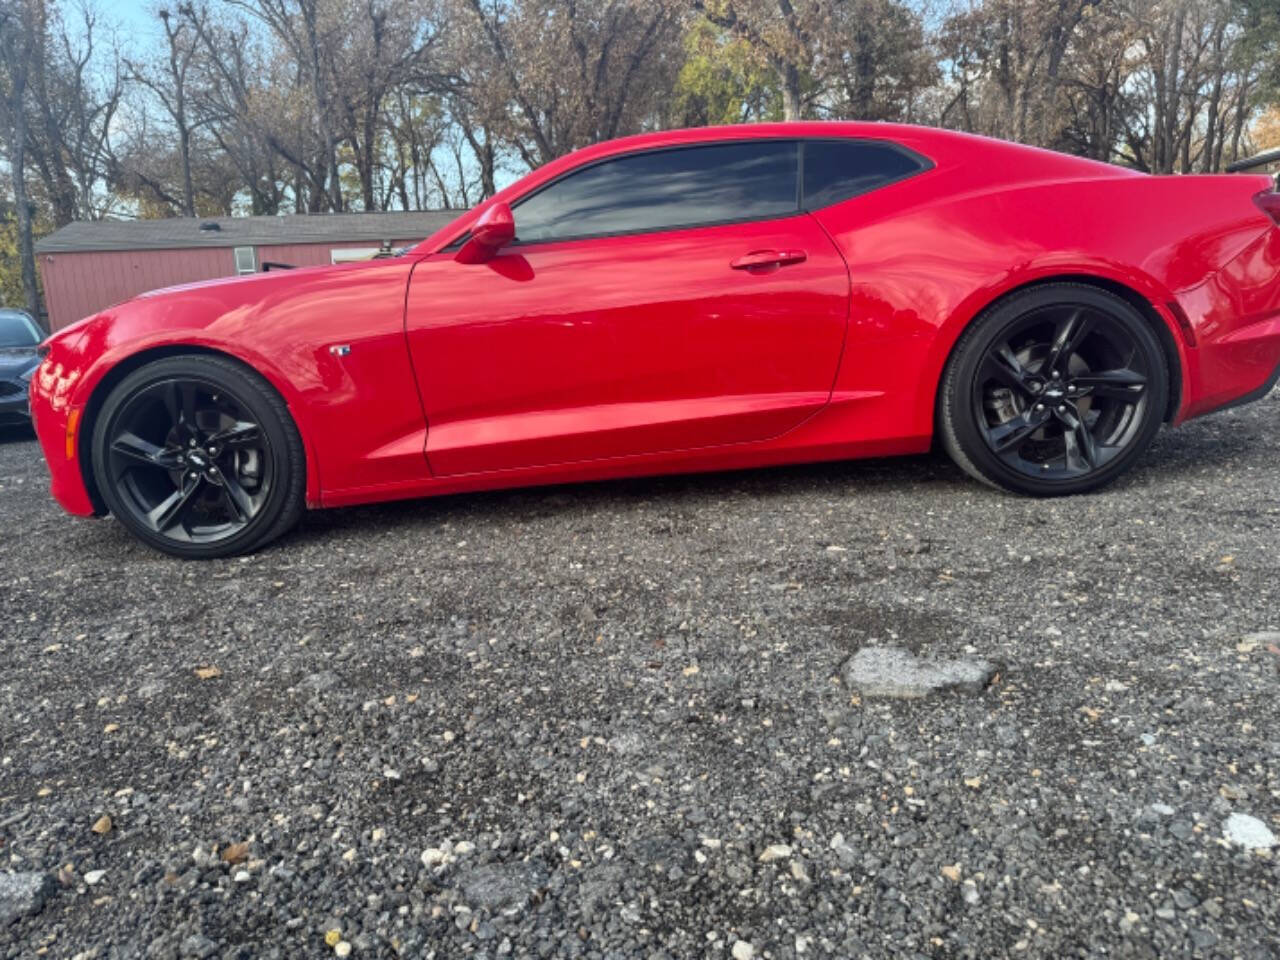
(690, 300)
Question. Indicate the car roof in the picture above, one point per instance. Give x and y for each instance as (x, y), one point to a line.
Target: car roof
(935, 142)
(1003, 159)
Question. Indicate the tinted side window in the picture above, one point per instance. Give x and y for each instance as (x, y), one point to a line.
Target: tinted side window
(836, 170)
(661, 189)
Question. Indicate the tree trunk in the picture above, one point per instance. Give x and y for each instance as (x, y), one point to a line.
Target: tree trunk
(790, 75)
(19, 56)
(323, 119)
(188, 190)
(368, 164)
(26, 241)
(1172, 92)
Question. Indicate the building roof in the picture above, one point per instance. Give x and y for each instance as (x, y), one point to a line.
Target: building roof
(176, 233)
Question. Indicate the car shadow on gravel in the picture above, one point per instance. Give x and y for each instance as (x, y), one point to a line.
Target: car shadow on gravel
(674, 491)
(17, 434)
(1188, 450)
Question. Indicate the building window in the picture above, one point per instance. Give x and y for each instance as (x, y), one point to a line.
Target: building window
(245, 261)
(352, 254)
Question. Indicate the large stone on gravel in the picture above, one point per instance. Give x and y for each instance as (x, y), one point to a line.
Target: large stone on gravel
(198, 946)
(899, 673)
(1249, 832)
(501, 887)
(22, 894)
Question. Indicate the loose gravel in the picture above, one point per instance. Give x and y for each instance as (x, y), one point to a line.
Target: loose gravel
(609, 721)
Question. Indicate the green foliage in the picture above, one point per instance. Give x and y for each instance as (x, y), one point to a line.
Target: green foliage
(11, 293)
(723, 80)
(1261, 40)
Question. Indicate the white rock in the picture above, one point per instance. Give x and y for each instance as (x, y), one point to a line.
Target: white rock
(743, 950)
(94, 877)
(898, 673)
(1163, 809)
(342, 949)
(1249, 832)
(775, 851)
(242, 876)
(431, 857)
(464, 848)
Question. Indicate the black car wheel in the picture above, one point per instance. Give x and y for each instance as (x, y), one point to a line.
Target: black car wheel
(1053, 391)
(199, 457)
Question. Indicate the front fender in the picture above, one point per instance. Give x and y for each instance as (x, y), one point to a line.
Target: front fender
(359, 415)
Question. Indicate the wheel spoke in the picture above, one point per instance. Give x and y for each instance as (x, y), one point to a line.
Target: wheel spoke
(1007, 436)
(1123, 383)
(139, 451)
(180, 403)
(1067, 337)
(172, 508)
(188, 394)
(1001, 364)
(237, 499)
(1082, 452)
(239, 434)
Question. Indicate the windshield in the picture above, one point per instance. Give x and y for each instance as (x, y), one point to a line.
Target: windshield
(17, 330)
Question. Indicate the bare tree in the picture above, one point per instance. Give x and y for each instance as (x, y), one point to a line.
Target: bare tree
(76, 90)
(168, 82)
(549, 76)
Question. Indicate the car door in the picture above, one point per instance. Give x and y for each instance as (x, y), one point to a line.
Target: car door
(657, 301)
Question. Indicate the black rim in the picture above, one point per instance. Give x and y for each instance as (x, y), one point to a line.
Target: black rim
(1062, 392)
(189, 461)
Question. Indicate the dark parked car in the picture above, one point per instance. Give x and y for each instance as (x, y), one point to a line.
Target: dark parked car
(20, 338)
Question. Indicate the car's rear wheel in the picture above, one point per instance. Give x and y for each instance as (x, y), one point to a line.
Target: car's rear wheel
(1053, 391)
(199, 457)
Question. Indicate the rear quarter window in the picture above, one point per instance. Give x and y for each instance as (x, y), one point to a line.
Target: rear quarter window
(835, 170)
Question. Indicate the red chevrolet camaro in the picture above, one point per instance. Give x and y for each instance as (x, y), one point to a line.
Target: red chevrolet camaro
(690, 300)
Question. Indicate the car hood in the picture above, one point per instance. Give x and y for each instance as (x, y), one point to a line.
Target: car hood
(265, 278)
(17, 360)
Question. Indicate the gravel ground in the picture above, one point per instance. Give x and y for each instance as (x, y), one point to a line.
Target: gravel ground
(609, 721)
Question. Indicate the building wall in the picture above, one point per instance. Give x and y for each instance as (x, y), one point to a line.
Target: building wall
(79, 284)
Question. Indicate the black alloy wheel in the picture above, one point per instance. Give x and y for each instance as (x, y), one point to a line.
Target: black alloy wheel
(1054, 391)
(198, 456)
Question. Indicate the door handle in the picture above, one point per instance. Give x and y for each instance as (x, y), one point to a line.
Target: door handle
(768, 258)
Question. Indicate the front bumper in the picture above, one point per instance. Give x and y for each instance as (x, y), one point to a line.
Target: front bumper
(57, 421)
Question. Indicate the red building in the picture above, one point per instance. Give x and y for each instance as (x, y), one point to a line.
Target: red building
(87, 266)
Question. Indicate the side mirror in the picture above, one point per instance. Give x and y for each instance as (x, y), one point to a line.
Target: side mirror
(493, 231)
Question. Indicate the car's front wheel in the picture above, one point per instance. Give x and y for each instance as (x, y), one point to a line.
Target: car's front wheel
(1053, 391)
(199, 457)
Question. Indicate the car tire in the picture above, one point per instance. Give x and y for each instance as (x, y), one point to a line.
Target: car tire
(198, 456)
(1053, 391)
